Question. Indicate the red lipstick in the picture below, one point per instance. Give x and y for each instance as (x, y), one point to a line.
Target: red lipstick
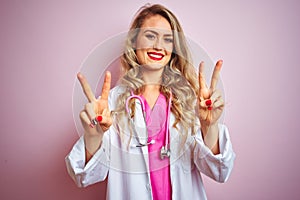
(155, 56)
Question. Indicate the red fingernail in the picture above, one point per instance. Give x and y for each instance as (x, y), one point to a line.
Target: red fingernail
(208, 102)
(99, 118)
(91, 125)
(210, 108)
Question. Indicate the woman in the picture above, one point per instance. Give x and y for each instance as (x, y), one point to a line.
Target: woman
(153, 146)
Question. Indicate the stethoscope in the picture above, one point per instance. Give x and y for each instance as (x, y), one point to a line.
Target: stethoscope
(165, 151)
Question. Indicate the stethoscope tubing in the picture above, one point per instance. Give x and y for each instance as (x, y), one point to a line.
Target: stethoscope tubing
(139, 98)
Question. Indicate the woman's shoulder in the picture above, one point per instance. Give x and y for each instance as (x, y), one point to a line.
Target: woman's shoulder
(114, 95)
(117, 90)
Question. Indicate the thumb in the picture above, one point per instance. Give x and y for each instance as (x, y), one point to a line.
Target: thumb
(105, 120)
(204, 93)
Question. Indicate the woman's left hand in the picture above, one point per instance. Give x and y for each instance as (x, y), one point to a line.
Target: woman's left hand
(210, 101)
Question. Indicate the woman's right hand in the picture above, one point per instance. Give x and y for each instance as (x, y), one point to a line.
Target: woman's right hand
(96, 108)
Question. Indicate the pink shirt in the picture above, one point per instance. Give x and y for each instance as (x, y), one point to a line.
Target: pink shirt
(159, 169)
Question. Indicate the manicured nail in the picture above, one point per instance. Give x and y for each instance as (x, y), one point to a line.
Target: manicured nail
(208, 102)
(210, 108)
(91, 125)
(99, 118)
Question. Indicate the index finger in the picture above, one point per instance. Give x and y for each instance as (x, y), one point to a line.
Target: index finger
(202, 83)
(215, 75)
(86, 88)
(106, 86)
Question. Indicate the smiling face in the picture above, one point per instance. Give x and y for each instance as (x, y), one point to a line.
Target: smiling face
(154, 43)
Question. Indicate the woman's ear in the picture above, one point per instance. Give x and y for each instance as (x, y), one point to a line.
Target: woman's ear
(133, 43)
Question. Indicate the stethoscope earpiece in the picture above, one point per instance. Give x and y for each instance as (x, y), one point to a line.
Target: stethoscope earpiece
(143, 145)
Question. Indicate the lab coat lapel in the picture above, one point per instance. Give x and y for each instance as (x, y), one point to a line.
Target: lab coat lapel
(141, 133)
(172, 138)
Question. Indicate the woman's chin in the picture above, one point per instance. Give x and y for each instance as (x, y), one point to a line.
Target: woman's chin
(152, 66)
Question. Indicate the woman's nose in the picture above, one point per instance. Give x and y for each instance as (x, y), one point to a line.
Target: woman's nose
(158, 44)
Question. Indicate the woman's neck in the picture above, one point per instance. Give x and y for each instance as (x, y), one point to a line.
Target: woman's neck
(152, 80)
(152, 77)
(151, 93)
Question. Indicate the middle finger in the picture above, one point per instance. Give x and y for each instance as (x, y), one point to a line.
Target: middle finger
(86, 88)
(215, 75)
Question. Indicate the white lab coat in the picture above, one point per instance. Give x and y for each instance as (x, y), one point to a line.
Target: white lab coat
(126, 166)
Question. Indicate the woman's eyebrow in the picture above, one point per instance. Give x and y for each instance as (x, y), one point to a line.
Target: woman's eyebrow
(168, 35)
(157, 33)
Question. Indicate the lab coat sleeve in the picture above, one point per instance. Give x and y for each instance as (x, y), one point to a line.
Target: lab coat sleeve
(95, 170)
(217, 167)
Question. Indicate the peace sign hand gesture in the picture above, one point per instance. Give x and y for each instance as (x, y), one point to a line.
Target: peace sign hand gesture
(211, 103)
(95, 117)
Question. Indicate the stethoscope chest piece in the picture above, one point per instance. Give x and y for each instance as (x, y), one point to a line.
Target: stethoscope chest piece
(164, 152)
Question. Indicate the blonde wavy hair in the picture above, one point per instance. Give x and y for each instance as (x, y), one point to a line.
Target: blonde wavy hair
(179, 76)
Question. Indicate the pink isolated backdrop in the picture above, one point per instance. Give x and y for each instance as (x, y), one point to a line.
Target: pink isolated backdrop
(43, 44)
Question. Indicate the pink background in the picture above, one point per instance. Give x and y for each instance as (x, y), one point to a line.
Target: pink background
(43, 44)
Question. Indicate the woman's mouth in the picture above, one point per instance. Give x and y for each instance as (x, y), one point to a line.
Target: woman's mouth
(155, 56)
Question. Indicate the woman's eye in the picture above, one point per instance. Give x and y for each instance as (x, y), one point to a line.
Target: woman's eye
(150, 36)
(169, 40)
